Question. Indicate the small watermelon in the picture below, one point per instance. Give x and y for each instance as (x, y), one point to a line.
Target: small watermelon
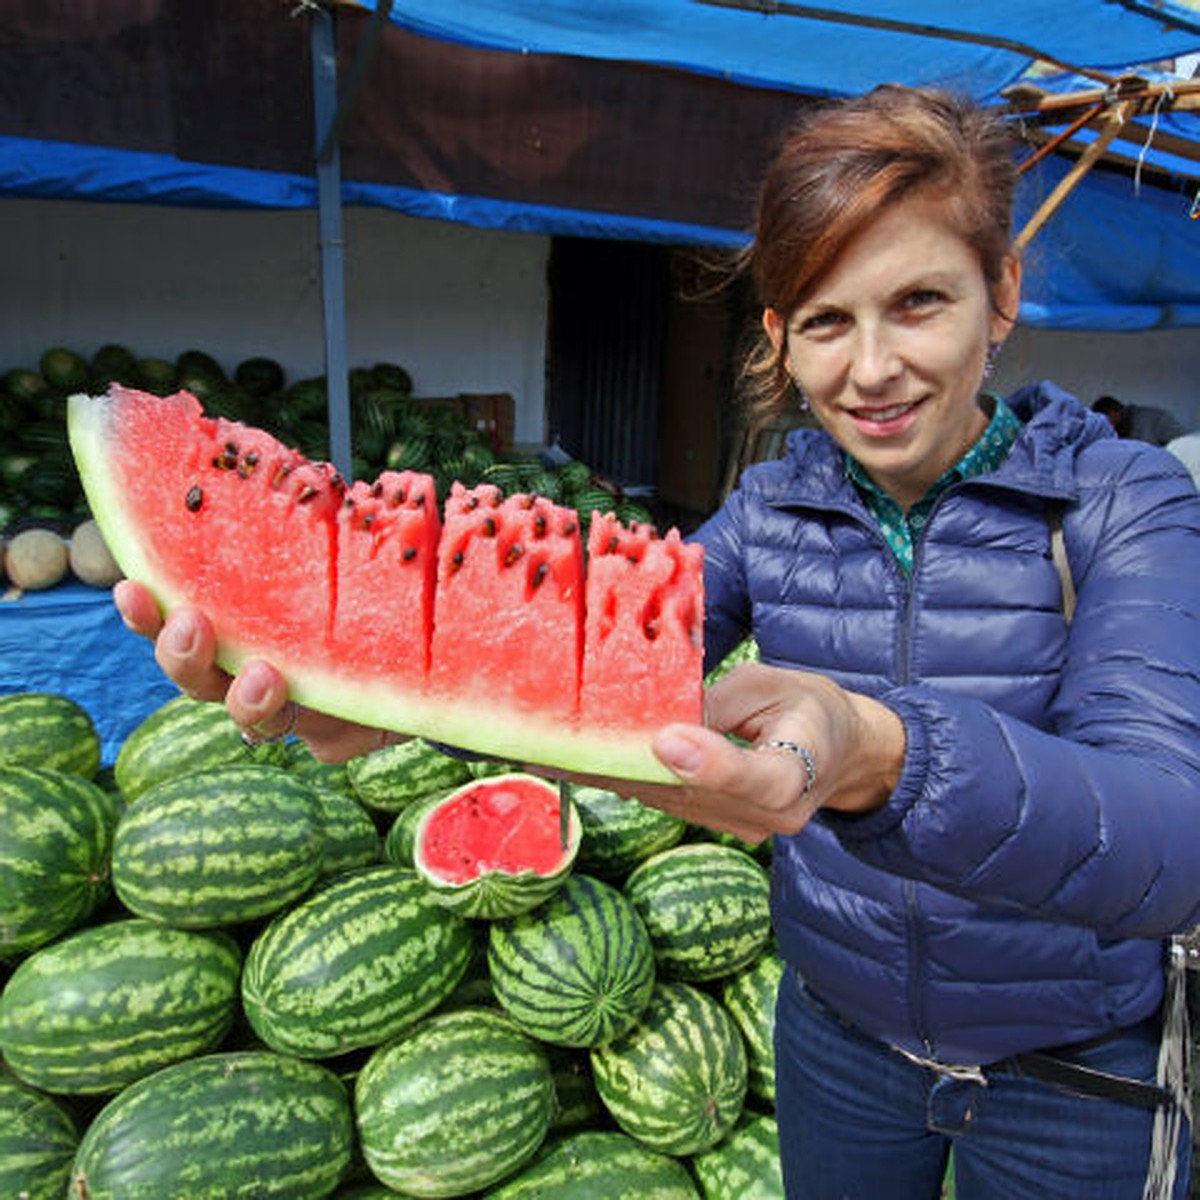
(677, 1080)
(357, 962)
(596, 1164)
(38, 1139)
(353, 590)
(56, 833)
(461, 1101)
(745, 1166)
(620, 833)
(707, 908)
(493, 847)
(106, 1005)
(750, 996)
(229, 1124)
(577, 970)
(391, 778)
(220, 847)
(50, 731)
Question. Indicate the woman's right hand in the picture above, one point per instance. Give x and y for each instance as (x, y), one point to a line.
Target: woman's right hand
(257, 697)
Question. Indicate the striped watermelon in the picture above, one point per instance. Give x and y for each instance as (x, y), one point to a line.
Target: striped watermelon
(707, 908)
(354, 964)
(619, 833)
(56, 834)
(599, 1165)
(50, 731)
(391, 778)
(750, 997)
(401, 836)
(493, 848)
(677, 1080)
(107, 1005)
(576, 971)
(351, 838)
(745, 1166)
(184, 737)
(38, 1138)
(461, 1101)
(218, 847)
(251, 1124)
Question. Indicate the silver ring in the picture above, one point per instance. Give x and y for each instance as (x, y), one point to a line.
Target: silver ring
(252, 738)
(780, 745)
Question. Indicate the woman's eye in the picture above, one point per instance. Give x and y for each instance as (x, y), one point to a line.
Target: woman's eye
(817, 322)
(923, 298)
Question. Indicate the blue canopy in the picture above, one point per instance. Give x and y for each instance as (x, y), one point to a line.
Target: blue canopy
(1121, 252)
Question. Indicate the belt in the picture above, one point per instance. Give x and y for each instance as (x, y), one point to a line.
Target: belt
(1049, 1066)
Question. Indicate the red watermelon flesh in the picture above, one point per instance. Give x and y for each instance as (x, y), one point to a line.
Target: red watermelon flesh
(388, 530)
(340, 587)
(507, 824)
(510, 577)
(644, 602)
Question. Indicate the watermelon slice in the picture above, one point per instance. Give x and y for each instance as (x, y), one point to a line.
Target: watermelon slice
(485, 633)
(493, 848)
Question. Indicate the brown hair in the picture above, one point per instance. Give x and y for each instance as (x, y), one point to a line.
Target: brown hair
(840, 166)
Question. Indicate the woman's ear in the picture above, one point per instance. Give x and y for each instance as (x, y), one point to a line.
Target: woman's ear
(775, 328)
(1006, 299)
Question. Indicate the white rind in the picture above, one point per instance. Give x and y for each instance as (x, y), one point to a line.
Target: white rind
(465, 722)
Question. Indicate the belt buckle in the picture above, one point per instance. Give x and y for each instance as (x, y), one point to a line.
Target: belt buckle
(961, 1072)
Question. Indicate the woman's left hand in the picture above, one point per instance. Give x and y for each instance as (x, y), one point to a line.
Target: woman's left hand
(760, 784)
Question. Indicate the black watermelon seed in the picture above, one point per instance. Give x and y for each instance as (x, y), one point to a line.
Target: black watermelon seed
(194, 498)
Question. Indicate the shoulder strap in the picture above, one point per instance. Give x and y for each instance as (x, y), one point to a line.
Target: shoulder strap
(1058, 552)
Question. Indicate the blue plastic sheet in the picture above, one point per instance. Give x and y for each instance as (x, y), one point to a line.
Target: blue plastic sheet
(70, 640)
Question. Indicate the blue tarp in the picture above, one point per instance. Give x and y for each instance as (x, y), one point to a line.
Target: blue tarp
(1121, 253)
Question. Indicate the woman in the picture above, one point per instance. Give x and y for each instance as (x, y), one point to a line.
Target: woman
(984, 810)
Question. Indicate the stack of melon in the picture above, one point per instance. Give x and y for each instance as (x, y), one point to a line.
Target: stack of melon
(236, 971)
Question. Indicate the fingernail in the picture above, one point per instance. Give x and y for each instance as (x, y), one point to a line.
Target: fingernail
(678, 753)
(179, 638)
(252, 689)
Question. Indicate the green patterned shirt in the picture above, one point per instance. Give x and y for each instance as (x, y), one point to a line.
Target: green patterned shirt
(902, 529)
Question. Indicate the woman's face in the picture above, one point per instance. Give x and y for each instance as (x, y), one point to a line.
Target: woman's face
(890, 346)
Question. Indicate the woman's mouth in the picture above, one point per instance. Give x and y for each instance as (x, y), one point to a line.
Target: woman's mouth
(886, 421)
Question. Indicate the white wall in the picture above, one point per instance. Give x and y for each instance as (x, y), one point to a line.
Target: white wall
(463, 310)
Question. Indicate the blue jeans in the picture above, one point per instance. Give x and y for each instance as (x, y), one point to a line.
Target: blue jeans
(857, 1121)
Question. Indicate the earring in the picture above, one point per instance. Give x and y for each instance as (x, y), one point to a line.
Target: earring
(991, 358)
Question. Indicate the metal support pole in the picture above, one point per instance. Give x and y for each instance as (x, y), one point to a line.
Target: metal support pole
(332, 243)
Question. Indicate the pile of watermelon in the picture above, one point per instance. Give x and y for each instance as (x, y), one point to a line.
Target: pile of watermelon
(239, 971)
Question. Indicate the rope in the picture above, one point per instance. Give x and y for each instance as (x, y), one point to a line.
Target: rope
(1165, 95)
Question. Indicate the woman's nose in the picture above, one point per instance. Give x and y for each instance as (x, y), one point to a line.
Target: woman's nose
(875, 361)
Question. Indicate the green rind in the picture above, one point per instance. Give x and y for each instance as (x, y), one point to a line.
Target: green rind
(56, 833)
(599, 1165)
(456, 1105)
(466, 721)
(48, 731)
(251, 1124)
(620, 833)
(578, 970)
(103, 1007)
(750, 997)
(495, 895)
(577, 1104)
(38, 1139)
(218, 847)
(707, 908)
(392, 778)
(184, 737)
(677, 1080)
(358, 962)
(745, 1166)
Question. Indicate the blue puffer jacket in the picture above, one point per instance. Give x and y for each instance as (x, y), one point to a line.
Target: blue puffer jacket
(1044, 837)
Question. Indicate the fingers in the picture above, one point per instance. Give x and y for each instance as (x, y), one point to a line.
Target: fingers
(186, 651)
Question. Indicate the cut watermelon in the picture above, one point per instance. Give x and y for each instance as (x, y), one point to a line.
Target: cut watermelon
(493, 848)
(375, 612)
